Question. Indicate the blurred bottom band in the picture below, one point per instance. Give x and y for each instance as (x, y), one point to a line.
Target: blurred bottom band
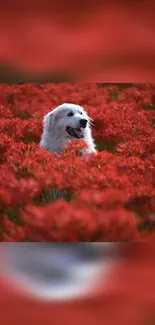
(71, 283)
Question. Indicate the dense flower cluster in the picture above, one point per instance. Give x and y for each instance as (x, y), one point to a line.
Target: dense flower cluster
(106, 197)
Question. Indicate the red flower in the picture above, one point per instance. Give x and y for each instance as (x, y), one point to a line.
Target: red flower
(130, 148)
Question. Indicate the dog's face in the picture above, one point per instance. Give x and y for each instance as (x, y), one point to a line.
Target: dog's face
(68, 120)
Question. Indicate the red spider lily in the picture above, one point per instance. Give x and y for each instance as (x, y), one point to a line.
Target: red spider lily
(130, 148)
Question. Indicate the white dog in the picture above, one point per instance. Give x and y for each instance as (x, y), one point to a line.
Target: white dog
(65, 123)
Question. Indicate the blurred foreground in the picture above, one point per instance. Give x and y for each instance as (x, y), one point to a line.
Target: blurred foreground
(89, 283)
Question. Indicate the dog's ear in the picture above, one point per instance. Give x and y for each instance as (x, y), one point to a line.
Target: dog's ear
(48, 121)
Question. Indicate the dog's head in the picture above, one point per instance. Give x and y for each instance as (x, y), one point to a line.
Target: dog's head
(67, 120)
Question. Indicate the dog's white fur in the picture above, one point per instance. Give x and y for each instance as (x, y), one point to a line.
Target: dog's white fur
(55, 137)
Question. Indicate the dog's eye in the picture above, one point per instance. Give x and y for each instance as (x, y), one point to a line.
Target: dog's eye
(70, 114)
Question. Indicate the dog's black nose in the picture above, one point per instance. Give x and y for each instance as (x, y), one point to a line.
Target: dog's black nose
(83, 123)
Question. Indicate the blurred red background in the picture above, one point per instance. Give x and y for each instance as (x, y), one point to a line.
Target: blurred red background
(85, 41)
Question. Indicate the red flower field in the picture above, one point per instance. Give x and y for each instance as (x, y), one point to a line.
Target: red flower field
(109, 196)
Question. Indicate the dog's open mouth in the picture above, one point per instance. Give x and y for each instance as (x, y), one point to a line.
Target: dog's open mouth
(75, 133)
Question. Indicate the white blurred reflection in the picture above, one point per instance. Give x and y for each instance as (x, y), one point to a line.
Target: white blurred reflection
(53, 271)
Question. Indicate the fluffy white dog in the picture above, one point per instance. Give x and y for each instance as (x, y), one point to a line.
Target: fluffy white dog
(65, 123)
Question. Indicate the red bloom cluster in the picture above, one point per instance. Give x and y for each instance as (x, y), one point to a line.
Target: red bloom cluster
(106, 197)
